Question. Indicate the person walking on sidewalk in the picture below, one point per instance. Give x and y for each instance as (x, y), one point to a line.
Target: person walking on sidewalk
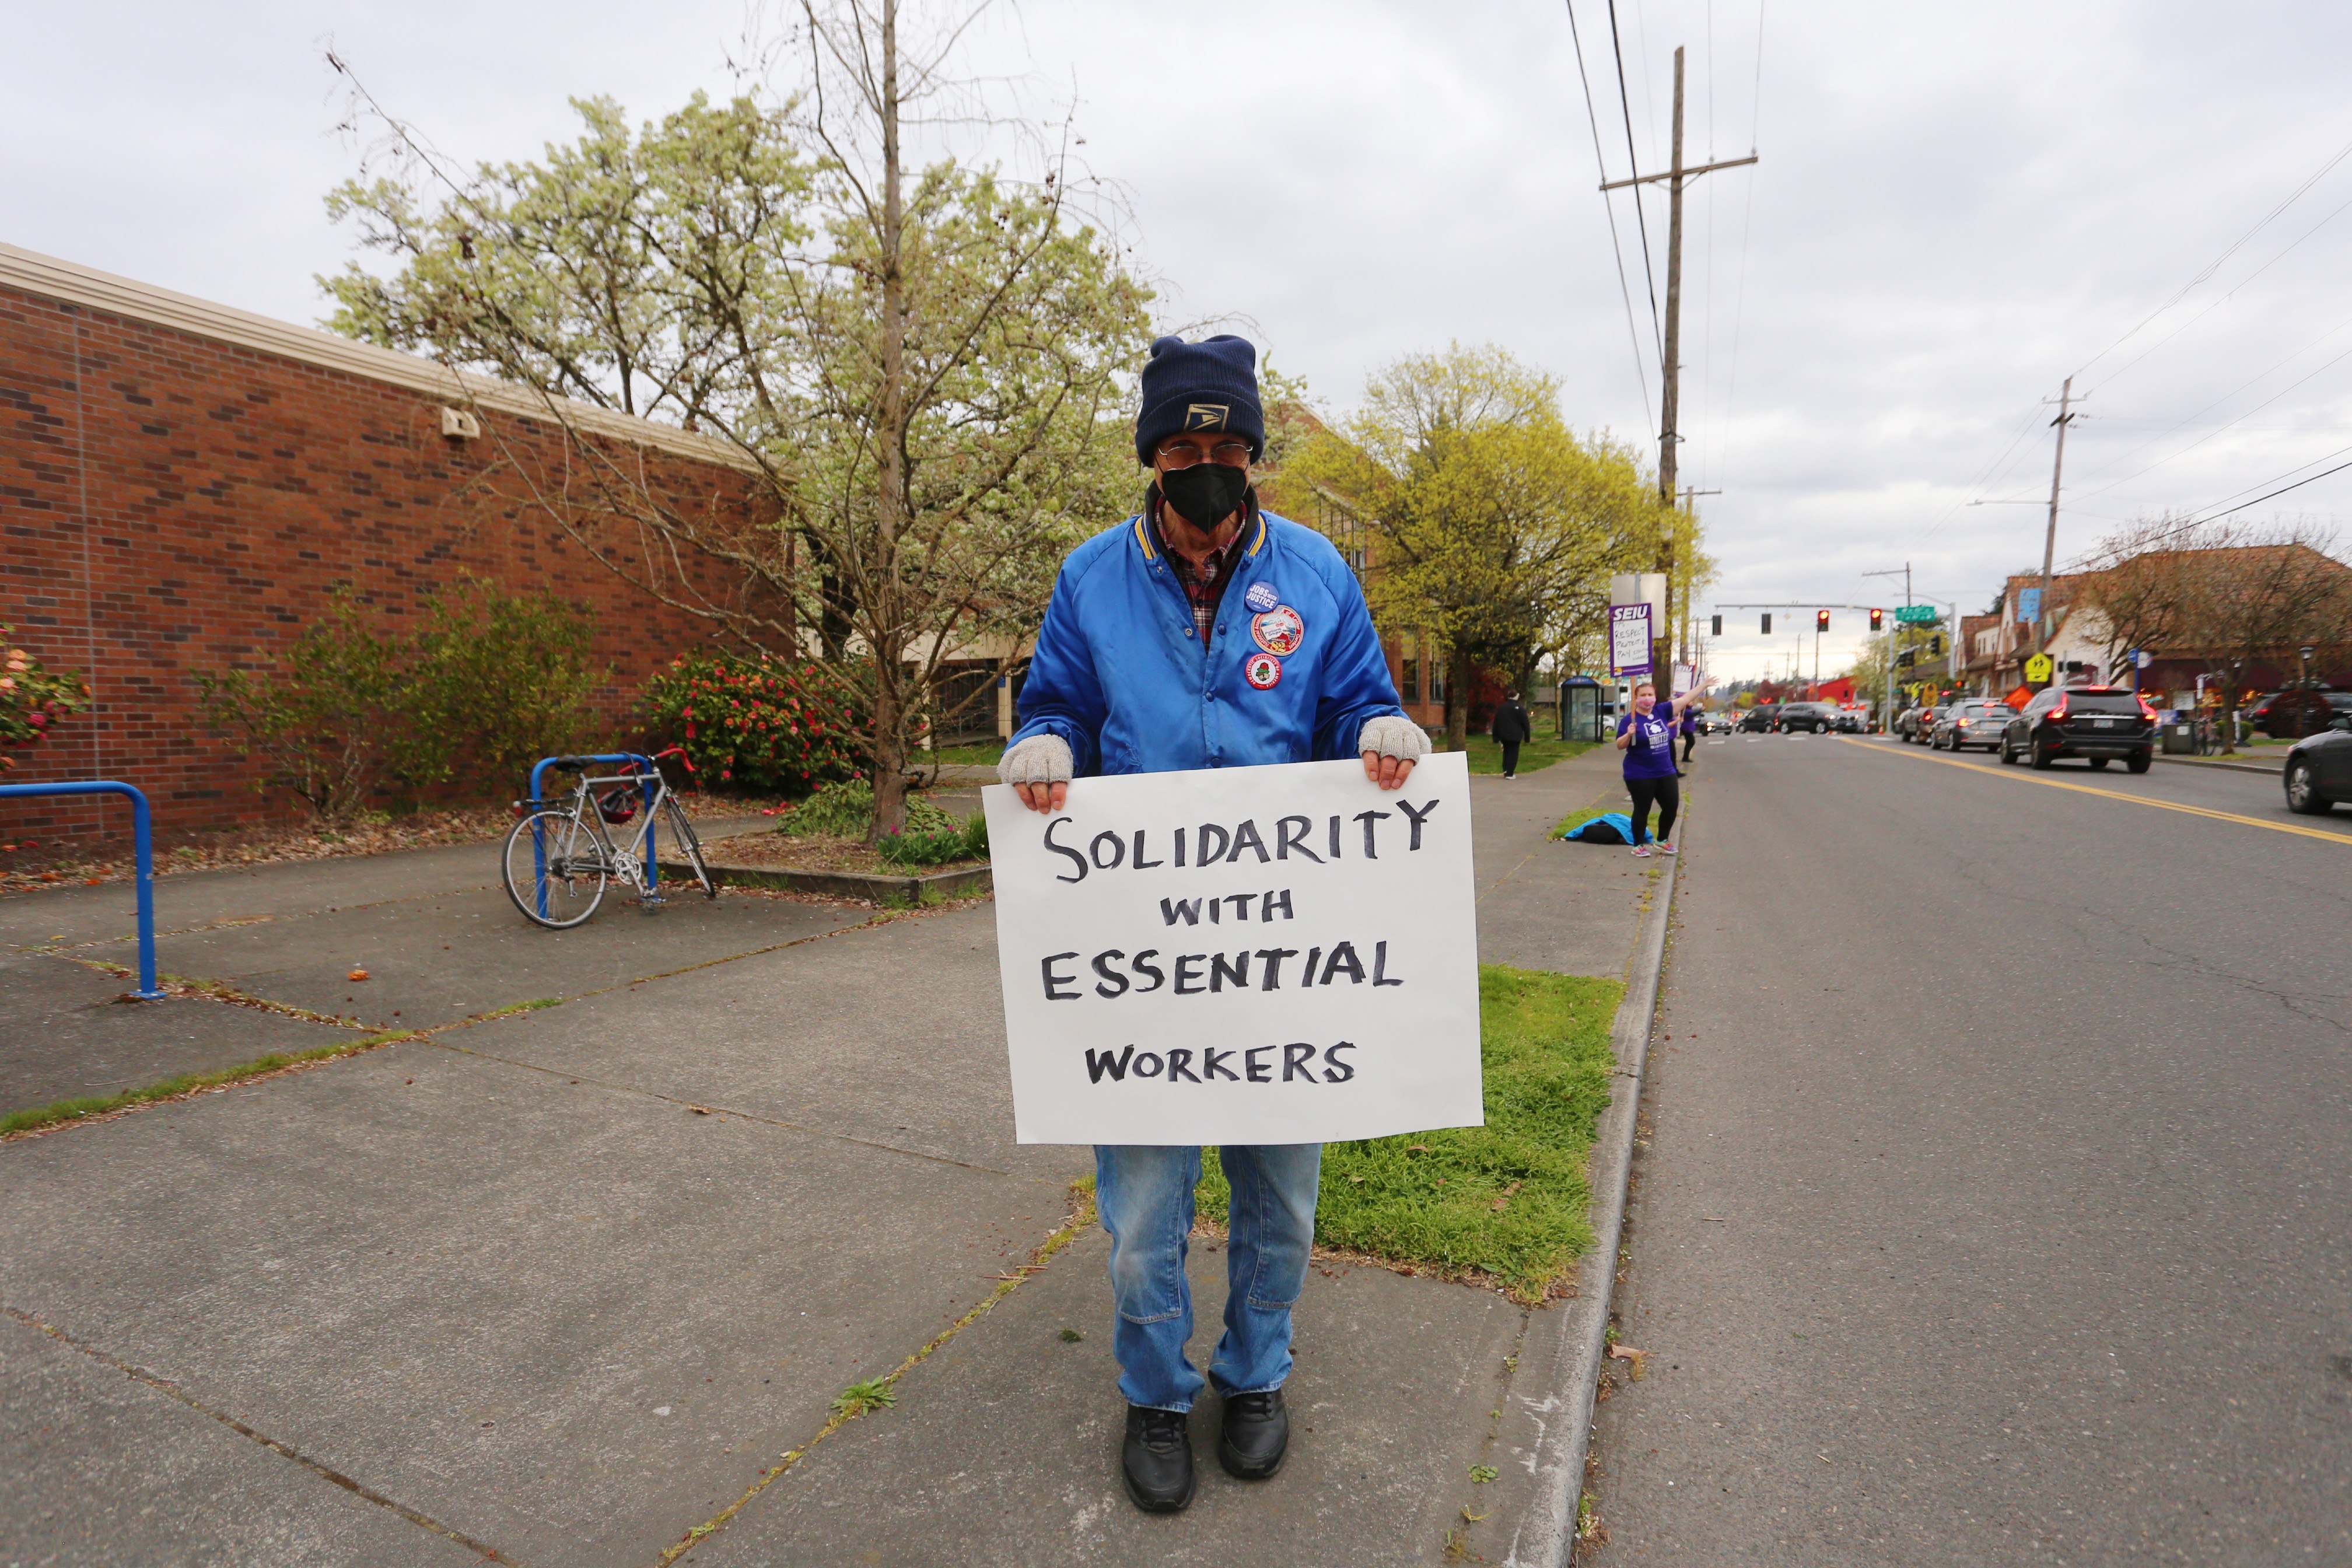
(1646, 736)
(1690, 734)
(1204, 633)
(1510, 730)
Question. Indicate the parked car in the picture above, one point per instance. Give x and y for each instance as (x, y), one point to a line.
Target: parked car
(1760, 719)
(1818, 718)
(1915, 724)
(2301, 710)
(1977, 721)
(2097, 723)
(2319, 769)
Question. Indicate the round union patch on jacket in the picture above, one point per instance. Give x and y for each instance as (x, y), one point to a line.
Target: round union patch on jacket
(1279, 630)
(1261, 596)
(1263, 671)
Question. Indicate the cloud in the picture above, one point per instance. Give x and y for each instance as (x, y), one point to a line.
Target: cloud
(1957, 206)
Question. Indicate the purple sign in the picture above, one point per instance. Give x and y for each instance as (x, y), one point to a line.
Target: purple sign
(1629, 640)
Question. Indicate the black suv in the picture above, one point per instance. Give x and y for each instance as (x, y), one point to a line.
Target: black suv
(1820, 718)
(1760, 717)
(2098, 724)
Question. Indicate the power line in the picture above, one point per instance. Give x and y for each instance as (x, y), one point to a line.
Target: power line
(1616, 246)
(2231, 295)
(2215, 265)
(1634, 165)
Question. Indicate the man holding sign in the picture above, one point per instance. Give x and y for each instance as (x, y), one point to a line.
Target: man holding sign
(1205, 634)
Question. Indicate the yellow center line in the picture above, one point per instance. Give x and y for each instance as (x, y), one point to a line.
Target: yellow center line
(2118, 794)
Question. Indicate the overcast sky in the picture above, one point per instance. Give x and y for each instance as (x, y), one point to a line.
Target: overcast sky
(1956, 208)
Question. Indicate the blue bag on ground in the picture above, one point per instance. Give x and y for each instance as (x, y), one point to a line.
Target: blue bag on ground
(1611, 828)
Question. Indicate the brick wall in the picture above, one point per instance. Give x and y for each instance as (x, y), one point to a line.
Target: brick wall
(169, 502)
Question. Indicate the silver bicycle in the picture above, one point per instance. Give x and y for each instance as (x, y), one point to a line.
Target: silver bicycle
(563, 853)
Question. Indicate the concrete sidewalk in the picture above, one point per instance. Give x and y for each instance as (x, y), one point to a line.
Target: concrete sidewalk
(567, 1284)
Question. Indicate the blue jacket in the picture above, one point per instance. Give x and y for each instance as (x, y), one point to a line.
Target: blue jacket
(1292, 671)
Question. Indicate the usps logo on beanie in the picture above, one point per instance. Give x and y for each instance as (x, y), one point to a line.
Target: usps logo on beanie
(1205, 415)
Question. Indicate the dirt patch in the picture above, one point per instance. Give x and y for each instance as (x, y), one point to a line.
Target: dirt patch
(818, 852)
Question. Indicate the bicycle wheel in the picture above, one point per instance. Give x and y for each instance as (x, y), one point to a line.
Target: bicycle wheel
(555, 869)
(688, 844)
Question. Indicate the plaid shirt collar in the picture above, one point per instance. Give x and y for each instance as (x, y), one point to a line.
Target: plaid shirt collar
(1204, 585)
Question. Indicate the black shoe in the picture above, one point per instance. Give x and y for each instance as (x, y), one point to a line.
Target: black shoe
(1156, 1459)
(1256, 1435)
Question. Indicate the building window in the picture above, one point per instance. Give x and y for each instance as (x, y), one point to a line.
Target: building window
(1345, 531)
(1409, 680)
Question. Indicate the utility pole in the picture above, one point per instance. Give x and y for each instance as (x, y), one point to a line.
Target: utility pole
(1670, 405)
(2050, 538)
(1689, 511)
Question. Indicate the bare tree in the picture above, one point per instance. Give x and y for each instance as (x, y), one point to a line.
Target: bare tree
(2228, 595)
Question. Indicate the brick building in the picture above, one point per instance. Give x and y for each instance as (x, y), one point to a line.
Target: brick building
(182, 484)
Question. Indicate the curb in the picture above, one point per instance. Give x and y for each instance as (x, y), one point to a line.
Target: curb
(871, 886)
(2232, 767)
(1579, 1344)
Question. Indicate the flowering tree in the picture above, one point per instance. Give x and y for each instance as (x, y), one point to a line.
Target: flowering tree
(921, 364)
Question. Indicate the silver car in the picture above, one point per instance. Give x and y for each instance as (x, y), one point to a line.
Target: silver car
(1971, 723)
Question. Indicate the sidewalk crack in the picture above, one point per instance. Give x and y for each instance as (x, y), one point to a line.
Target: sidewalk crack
(284, 1451)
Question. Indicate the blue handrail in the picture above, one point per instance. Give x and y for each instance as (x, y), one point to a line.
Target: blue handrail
(144, 844)
(538, 836)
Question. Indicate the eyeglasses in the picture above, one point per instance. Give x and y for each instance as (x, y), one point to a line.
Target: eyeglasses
(1182, 455)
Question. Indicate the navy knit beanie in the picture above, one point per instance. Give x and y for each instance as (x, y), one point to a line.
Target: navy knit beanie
(1208, 386)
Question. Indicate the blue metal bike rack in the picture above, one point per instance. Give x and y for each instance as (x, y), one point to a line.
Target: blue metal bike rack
(144, 842)
(538, 836)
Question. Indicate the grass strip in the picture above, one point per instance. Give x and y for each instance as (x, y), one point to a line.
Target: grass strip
(877, 1393)
(1507, 1202)
(1486, 757)
(39, 1116)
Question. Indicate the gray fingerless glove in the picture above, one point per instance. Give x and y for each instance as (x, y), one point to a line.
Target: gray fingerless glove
(1393, 736)
(1040, 759)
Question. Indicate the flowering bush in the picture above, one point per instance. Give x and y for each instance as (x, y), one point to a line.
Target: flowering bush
(32, 699)
(755, 723)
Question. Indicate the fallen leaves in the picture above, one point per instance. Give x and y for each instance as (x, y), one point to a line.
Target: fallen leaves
(1638, 1360)
(357, 974)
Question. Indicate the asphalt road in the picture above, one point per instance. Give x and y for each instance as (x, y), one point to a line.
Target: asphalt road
(1993, 1204)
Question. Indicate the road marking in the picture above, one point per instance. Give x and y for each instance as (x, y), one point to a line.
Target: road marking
(2118, 794)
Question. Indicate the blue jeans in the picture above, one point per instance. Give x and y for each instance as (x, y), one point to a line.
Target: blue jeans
(1144, 1194)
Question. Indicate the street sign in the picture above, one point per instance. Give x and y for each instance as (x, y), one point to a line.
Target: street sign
(2142, 658)
(2037, 668)
(1923, 615)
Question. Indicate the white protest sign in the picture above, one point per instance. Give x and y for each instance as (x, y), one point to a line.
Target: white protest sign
(1282, 954)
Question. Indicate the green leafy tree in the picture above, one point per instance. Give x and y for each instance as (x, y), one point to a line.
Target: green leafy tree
(923, 368)
(1495, 525)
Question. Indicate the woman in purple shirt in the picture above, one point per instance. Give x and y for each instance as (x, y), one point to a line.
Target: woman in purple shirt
(1646, 736)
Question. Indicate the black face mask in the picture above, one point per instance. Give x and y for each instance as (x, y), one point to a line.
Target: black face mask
(1205, 494)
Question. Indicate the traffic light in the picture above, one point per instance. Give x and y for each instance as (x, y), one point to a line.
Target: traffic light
(1718, 625)
(1820, 620)
(1936, 648)
(1907, 659)
(1877, 620)
(1768, 623)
